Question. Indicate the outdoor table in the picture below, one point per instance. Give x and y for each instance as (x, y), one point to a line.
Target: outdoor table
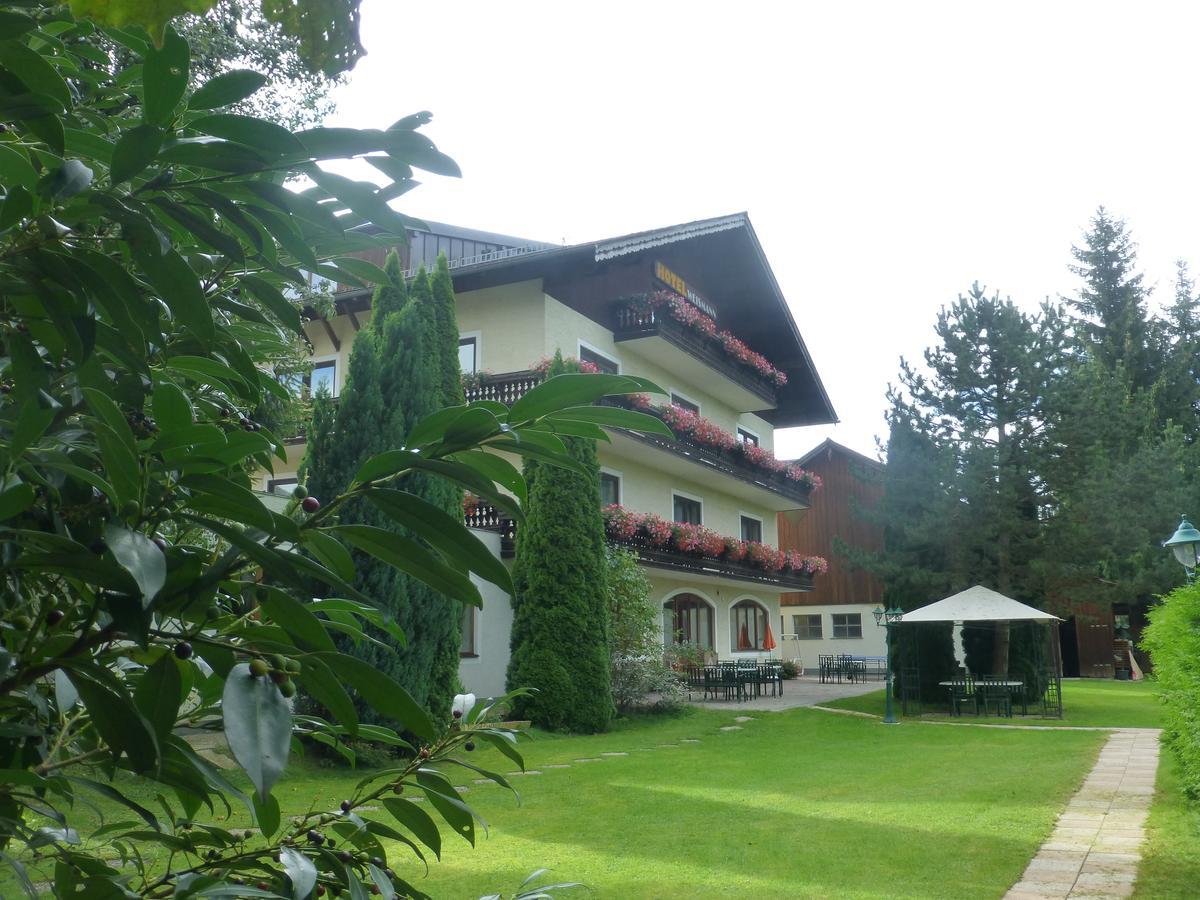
(1011, 685)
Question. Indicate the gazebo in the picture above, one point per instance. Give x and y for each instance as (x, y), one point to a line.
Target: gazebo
(978, 610)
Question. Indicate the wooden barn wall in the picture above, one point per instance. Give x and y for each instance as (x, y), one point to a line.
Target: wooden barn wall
(848, 484)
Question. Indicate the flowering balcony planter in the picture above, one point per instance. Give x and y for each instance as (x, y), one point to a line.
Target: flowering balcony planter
(681, 348)
(701, 566)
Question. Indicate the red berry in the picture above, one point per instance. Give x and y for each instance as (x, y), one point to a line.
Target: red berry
(310, 504)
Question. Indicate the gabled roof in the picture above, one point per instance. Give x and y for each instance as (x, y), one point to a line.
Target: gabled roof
(832, 446)
(978, 604)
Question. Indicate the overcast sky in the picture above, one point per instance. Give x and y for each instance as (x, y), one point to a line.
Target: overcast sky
(888, 154)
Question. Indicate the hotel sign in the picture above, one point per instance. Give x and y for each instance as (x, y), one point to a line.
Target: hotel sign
(681, 287)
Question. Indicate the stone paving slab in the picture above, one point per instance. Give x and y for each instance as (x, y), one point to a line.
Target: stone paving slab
(1096, 844)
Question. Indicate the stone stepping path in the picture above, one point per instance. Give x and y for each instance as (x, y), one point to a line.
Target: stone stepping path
(1096, 844)
(731, 727)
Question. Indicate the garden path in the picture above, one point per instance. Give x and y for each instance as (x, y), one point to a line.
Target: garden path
(1096, 844)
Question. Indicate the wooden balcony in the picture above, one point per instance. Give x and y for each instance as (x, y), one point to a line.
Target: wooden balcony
(674, 561)
(694, 357)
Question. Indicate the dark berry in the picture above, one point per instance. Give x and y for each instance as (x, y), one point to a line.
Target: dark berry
(345, 806)
(161, 544)
(54, 617)
(258, 667)
(345, 855)
(397, 789)
(224, 412)
(457, 714)
(424, 754)
(469, 746)
(310, 504)
(183, 650)
(374, 889)
(320, 890)
(315, 837)
(377, 862)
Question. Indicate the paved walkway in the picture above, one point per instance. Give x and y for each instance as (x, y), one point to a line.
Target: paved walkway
(1096, 845)
(804, 691)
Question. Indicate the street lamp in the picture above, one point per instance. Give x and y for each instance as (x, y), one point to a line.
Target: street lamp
(1185, 544)
(889, 619)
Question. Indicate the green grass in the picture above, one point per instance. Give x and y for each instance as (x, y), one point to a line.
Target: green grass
(1086, 702)
(796, 804)
(1170, 868)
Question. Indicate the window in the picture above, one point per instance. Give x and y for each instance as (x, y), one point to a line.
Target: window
(323, 378)
(599, 360)
(293, 382)
(807, 628)
(751, 529)
(610, 489)
(688, 620)
(468, 354)
(847, 625)
(685, 403)
(286, 483)
(746, 437)
(687, 509)
(749, 625)
(467, 647)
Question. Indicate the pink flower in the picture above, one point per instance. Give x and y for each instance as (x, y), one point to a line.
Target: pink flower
(583, 365)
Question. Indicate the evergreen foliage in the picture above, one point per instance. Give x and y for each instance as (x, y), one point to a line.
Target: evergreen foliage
(639, 675)
(442, 294)
(560, 632)
(392, 384)
(1174, 643)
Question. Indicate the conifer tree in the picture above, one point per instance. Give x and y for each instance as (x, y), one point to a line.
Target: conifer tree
(560, 611)
(393, 382)
(442, 286)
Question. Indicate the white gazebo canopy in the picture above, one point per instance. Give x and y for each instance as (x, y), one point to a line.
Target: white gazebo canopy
(978, 604)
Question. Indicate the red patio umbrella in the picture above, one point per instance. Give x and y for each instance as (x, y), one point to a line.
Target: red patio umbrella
(769, 639)
(744, 638)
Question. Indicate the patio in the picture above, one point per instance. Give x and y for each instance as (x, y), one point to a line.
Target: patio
(806, 690)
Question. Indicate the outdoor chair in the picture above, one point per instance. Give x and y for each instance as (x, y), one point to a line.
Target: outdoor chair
(962, 693)
(695, 681)
(992, 693)
(826, 668)
(853, 669)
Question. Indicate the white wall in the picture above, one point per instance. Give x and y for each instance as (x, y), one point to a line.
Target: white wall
(484, 674)
(872, 643)
(721, 597)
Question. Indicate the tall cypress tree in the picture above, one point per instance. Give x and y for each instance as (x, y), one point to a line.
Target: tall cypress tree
(560, 610)
(394, 380)
(442, 287)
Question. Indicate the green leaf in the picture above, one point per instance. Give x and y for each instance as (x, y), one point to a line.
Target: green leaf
(69, 179)
(248, 130)
(383, 694)
(392, 461)
(165, 77)
(416, 820)
(15, 500)
(272, 298)
(14, 24)
(159, 695)
(258, 726)
(330, 552)
(219, 496)
(300, 870)
(321, 684)
(293, 617)
(153, 15)
(179, 286)
(266, 814)
(445, 800)
(360, 268)
(117, 797)
(443, 532)
(409, 556)
(115, 718)
(613, 417)
(34, 71)
(574, 389)
(172, 409)
(136, 149)
(15, 168)
(138, 556)
(120, 463)
(227, 88)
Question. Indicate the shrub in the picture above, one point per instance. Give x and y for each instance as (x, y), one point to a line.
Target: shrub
(1173, 641)
(640, 678)
(790, 669)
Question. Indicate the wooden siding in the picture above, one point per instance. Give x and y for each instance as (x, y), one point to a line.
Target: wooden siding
(851, 482)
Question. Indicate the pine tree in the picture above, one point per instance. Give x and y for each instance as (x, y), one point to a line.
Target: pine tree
(1112, 323)
(442, 287)
(394, 380)
(560, 611)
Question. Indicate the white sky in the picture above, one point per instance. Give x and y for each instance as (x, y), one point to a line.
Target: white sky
(888, 153)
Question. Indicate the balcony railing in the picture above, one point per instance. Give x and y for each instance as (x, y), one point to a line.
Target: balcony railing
(506, 388)
(640, 323)
(491, 519)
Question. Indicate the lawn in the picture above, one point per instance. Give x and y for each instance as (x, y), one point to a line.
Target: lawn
(1170, 868)
(1091, 702)
(797, 804)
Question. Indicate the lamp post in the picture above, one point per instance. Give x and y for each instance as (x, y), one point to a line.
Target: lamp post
(889, 619)
(1185, 544)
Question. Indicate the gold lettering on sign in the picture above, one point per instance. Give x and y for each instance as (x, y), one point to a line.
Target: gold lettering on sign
(681, 287)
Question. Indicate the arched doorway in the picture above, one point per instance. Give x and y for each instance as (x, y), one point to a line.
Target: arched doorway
(748, 621)
(688, 619)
